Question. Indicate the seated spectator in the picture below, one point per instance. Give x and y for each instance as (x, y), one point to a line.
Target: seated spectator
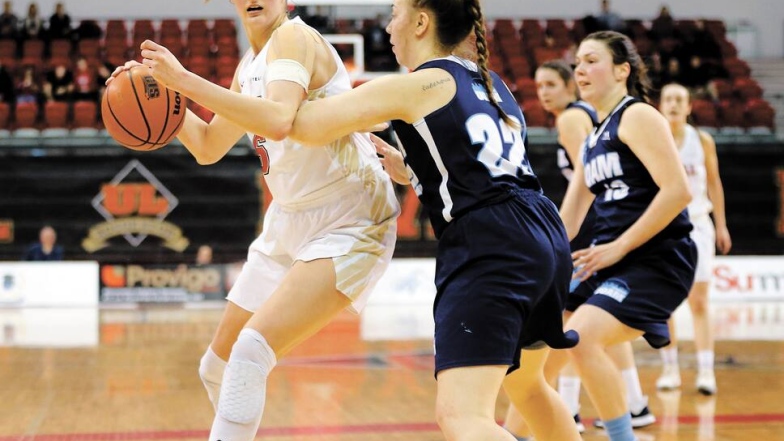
(655, 70)
(609, 20)
(7, 93)
(703, 44)
(673, 72)
(101, 75)
(378, 49)
(32, 26)
(663, 26)
(59, 84)
(204, 255)
(46, 248)
(59, 23)
(85, 87)
(8, 22)
(696, 75)
(28, 89)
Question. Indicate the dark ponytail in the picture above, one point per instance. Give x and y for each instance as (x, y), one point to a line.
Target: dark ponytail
(454, 21)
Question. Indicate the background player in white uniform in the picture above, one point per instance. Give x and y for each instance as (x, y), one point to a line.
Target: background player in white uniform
(330, 231)
(698, 154)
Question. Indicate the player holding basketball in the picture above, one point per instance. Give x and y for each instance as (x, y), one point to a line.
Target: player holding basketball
(330, 230)
(503, 263)
(574, 120)
(698, 154)
(642, 263)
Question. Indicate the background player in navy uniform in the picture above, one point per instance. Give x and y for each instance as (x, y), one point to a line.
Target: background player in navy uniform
(642, 263)
(503, 259)
(574, 120)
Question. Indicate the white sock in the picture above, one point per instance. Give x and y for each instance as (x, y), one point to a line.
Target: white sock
(705, 360)
(636, 399)
(569, 389)
(669, 355)
(244, 389)
(211, 370)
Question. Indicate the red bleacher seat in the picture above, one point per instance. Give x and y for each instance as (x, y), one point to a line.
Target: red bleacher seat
(704, 113)
(197, 28)
(747, 89)
(759, 113)
(170, 27)
(731, 112)
(535, 115)
(84, 114)
(60, 48)
(5, 112)
(143, 30)
(25, 116)
(737, 68)
(56, 115)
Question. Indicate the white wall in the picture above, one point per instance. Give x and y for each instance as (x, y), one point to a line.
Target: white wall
(766, 15)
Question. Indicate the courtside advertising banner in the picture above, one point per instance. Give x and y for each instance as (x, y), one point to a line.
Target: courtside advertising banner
(162, 283)
(48, 284)
(748, 278)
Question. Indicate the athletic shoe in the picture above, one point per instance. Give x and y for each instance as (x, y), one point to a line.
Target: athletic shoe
(670, 378)
(579, 423)
(641, 419)
(706, 382)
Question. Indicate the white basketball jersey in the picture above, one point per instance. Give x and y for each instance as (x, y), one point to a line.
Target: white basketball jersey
(693, 158)
(300, 176)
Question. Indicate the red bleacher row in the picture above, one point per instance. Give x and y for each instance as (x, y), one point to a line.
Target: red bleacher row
(518, 47)
(208, 48)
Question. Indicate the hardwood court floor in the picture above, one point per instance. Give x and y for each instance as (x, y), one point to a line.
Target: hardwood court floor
(140, 382)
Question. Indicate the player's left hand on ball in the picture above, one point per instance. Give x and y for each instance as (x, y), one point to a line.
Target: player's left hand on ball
(164, 66)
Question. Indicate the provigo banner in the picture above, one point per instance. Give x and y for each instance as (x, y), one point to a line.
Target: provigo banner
(162, 283)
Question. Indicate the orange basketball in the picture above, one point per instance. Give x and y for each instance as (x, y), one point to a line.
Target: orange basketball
(139, 113)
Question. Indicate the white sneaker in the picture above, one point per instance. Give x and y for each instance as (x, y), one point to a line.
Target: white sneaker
(670, 378)
(706, 382)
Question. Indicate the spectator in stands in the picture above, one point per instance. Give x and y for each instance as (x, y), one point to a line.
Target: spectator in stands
(8, 22)
(7, 93)
(59, 84)
(655, 70)
(702, 42)
(378, 50)
(85, 87)
(27, 89)
(102, 73)
(673, 72)
(204, 255)
(663, 26)
(46, 248)
(59, 23)
(32, 26)
(609, 20)
(696, 75)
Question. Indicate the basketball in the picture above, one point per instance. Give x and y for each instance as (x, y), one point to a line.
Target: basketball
(139, 113)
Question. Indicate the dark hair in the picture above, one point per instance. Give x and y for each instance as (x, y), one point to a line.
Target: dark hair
(563, 69)
(454, 21)
(623, 51)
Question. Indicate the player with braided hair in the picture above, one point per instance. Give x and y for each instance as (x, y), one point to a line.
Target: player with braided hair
(503, 263)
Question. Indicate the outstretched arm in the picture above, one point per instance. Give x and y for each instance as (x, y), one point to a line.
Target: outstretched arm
(406, 97)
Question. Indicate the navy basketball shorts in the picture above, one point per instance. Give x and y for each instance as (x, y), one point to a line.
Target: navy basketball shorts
(502, 275)
(642, 292)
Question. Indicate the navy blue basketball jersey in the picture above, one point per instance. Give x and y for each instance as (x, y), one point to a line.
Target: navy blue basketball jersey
(564, 163)
(623, 187)
(464, 156)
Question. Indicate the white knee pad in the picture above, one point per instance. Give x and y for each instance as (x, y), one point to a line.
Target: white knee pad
(211, 370)
(244, 388)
